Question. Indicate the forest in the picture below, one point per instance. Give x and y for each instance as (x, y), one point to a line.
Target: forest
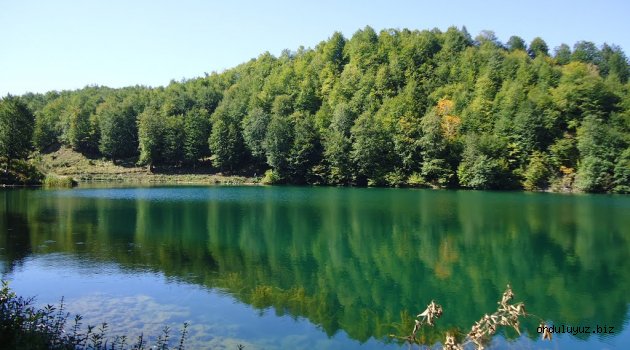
(404, 107)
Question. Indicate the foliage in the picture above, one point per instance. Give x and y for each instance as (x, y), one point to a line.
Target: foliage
(270, 178)
(379, 108)
(53, 181)
(537, 173)
(16, 129)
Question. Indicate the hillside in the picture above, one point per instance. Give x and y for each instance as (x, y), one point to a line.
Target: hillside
(66, 162)
(395, 108)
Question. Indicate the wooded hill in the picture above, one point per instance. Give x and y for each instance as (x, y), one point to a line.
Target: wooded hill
(395, 108)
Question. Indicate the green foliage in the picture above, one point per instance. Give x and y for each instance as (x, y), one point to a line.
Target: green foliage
(173, 151)
(538, 47)
(254, 131)
(226, 139)
(151, 136)
(22, 172)
(306, 151)
(622, 173)
(372, 149)
(118, 127)
(196, 130)
(599, 146)
(46, 131)
(278, 144)
(372, 109)
(484, 164)
(54, 181)
(516, 43)
(537, 174)
(16, 129)
(562, 54)
(271, 177)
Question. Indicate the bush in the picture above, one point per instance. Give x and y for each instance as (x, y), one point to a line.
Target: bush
(21, 173)
(271, 177)
(54, 181)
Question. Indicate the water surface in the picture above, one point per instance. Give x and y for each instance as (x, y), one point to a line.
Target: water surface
(289, 267)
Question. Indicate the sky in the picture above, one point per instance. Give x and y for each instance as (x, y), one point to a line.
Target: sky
(68, 44)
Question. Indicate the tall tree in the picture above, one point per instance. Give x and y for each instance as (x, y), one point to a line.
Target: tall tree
(196, 130)
(516, 43)
(306, 150)
(16, 129)
(538, 47)
(151, 136)
(118, 127)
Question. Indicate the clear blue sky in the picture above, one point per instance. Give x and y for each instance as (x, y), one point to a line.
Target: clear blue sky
(64, 44)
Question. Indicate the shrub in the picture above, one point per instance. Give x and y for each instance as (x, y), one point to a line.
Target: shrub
(54, 181)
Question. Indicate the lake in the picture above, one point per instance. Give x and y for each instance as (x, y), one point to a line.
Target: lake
(320, 268)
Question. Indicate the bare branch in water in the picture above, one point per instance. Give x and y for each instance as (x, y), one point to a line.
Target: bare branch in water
(507, 315)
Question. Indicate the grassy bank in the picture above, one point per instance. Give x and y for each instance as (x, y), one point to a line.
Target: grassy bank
(64, 165)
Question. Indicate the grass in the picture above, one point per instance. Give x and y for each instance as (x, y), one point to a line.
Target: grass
(66, 162)
(55, 181)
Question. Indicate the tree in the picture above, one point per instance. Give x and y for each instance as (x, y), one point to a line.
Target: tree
(16, 129)
(226, 138)
(47, 128)
(621, 178)
(440, 131)
(226, 143)
(484, 163)
(118, 128)
(372, 149)
(516, 43)
(196, 129)
(254, 130)
(538, 47)
(151, 136)
(562, 54)
(599, 145)
(337, 145)
(306, 151)
(586, 52)
(399, 106)
(538, 172)
(615, 63)
(278, 144)
(333, 51)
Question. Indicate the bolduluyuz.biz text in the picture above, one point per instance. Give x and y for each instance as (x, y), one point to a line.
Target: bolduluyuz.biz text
(575, 330)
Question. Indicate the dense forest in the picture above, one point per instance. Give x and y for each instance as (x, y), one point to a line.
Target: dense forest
(395, 108)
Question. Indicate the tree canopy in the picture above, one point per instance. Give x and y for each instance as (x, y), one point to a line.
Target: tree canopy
(16, 129)
(395, 107)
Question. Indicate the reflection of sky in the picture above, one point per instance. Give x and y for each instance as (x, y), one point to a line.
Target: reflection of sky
(183, 193)
(145, 302)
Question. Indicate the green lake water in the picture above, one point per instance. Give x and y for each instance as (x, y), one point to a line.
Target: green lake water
(321, 268)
